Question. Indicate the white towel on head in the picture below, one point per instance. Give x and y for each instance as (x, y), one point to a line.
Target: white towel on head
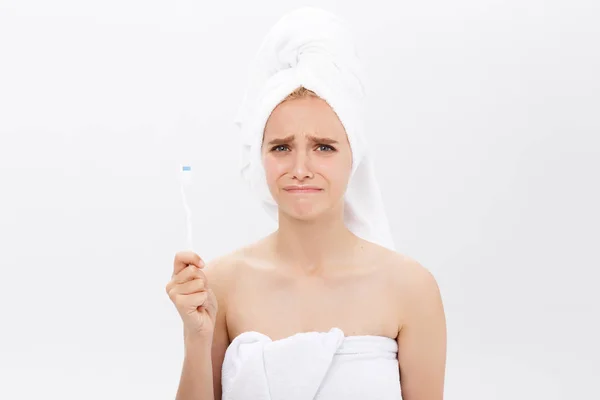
(313, 48)
(311, 365)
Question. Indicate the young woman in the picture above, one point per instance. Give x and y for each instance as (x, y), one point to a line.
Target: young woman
(311, 275)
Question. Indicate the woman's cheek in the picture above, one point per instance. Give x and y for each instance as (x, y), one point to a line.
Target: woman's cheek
(273, 169)
(335, 170)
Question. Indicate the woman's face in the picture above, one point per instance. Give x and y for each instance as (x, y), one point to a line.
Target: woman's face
(307, 157)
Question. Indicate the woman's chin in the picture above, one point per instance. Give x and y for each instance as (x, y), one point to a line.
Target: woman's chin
(305, 212)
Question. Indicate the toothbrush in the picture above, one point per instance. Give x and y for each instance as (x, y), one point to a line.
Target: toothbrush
(185, 179)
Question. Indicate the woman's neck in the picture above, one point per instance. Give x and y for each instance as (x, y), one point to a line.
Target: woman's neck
(311, 247)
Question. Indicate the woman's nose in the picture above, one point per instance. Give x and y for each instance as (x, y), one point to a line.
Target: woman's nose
(301, 167)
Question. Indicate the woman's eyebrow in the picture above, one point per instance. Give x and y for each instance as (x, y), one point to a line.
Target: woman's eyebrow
(284, 140)
(312, 138)
(323, 140)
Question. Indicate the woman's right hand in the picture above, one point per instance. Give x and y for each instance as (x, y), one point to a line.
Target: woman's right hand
(188, 289)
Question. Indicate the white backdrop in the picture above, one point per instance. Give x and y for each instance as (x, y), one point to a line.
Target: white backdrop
(485, 118)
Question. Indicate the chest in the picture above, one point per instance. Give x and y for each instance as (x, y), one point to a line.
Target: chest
(279, 306)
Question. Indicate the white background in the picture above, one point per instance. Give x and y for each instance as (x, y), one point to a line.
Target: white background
(485, 118)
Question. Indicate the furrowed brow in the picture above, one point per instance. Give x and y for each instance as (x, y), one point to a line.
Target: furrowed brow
(278, 141)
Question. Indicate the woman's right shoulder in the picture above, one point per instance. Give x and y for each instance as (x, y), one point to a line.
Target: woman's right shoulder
(225, 270)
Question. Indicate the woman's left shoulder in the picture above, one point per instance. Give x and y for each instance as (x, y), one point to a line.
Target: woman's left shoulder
(407, 273)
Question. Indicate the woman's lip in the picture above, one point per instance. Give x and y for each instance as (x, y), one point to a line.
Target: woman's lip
(303, 190)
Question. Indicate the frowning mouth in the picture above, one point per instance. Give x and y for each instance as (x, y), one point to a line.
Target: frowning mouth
(302, 189)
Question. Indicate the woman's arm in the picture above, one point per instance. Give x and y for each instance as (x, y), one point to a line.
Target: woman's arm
(196, 380)
(422, 337)
(201, 373)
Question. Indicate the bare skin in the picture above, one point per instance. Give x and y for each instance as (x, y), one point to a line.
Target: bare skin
(360, 298)
(312, 274)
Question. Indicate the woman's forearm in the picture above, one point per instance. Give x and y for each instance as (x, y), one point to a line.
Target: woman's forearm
(196, 382)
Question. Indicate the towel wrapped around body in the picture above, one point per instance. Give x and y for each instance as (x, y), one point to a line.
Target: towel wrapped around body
(311, 365)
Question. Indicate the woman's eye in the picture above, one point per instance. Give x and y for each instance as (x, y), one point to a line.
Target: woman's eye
(326, 147)
(284, 147)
